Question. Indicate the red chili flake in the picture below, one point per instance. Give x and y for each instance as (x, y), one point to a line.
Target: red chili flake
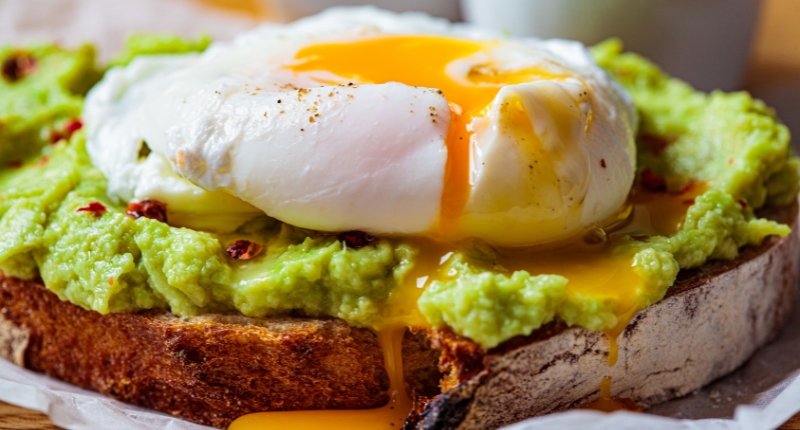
(152, 209)
(18, 66)
(44, 160)
(69, 128)
(55, 136)
(743, 204)
(356, 239)
(72, 125)
(16, 164)
(603, 163)
(244, 250)
(96, 208)
(730, 161)
(652, 182)
(111, 281)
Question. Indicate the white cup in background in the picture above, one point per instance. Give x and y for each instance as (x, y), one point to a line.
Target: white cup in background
(705, 42)
(290, 10)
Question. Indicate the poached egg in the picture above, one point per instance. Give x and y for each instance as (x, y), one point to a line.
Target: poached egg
(365, 120)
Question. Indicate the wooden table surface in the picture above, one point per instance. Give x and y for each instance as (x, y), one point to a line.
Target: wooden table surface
(776, 57)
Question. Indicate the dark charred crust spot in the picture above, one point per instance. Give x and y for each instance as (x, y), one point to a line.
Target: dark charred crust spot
(690, 303)
(447, 411)
(545, 332)
(633, 326)
(152, 209)
(603, 163)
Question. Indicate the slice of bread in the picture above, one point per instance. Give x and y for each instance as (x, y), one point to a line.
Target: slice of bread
(215, 368)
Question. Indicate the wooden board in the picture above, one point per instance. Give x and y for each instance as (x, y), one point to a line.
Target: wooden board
(13, 417)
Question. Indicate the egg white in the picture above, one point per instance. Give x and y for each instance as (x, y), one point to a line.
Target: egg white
(243, 136)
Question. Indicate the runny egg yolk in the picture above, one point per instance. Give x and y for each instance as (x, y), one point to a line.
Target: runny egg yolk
(423, 61)
(592, 271)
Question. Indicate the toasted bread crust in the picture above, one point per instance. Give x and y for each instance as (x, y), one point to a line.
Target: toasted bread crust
(209, 370)
(711, 321)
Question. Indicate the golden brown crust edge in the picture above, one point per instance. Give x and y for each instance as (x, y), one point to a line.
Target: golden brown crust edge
(208, 370)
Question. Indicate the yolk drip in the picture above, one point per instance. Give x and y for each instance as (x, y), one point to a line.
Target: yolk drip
(423, 61)
(606, 403)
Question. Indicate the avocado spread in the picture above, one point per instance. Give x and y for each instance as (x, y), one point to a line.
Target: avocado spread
(57, 223)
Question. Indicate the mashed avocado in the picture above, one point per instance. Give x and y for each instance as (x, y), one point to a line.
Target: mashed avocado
(107, 261)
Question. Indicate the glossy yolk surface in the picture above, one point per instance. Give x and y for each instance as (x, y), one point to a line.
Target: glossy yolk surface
(592, 270)
(423, 61)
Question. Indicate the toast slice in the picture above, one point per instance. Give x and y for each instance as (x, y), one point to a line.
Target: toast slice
(215, 368)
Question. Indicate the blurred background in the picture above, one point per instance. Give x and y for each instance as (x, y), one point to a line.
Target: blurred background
(727, 44)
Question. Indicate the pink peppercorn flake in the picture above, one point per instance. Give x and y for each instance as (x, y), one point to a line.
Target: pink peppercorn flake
(244, 250)
(356, 239)
(95, 208)
(152, 209)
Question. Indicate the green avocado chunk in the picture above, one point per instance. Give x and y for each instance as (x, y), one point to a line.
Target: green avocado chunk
(57, 223)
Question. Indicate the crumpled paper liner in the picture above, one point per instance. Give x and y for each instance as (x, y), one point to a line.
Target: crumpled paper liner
(763, 394)
(74, 408)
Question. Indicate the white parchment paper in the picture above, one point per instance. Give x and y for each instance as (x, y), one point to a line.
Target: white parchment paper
(763, 394)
